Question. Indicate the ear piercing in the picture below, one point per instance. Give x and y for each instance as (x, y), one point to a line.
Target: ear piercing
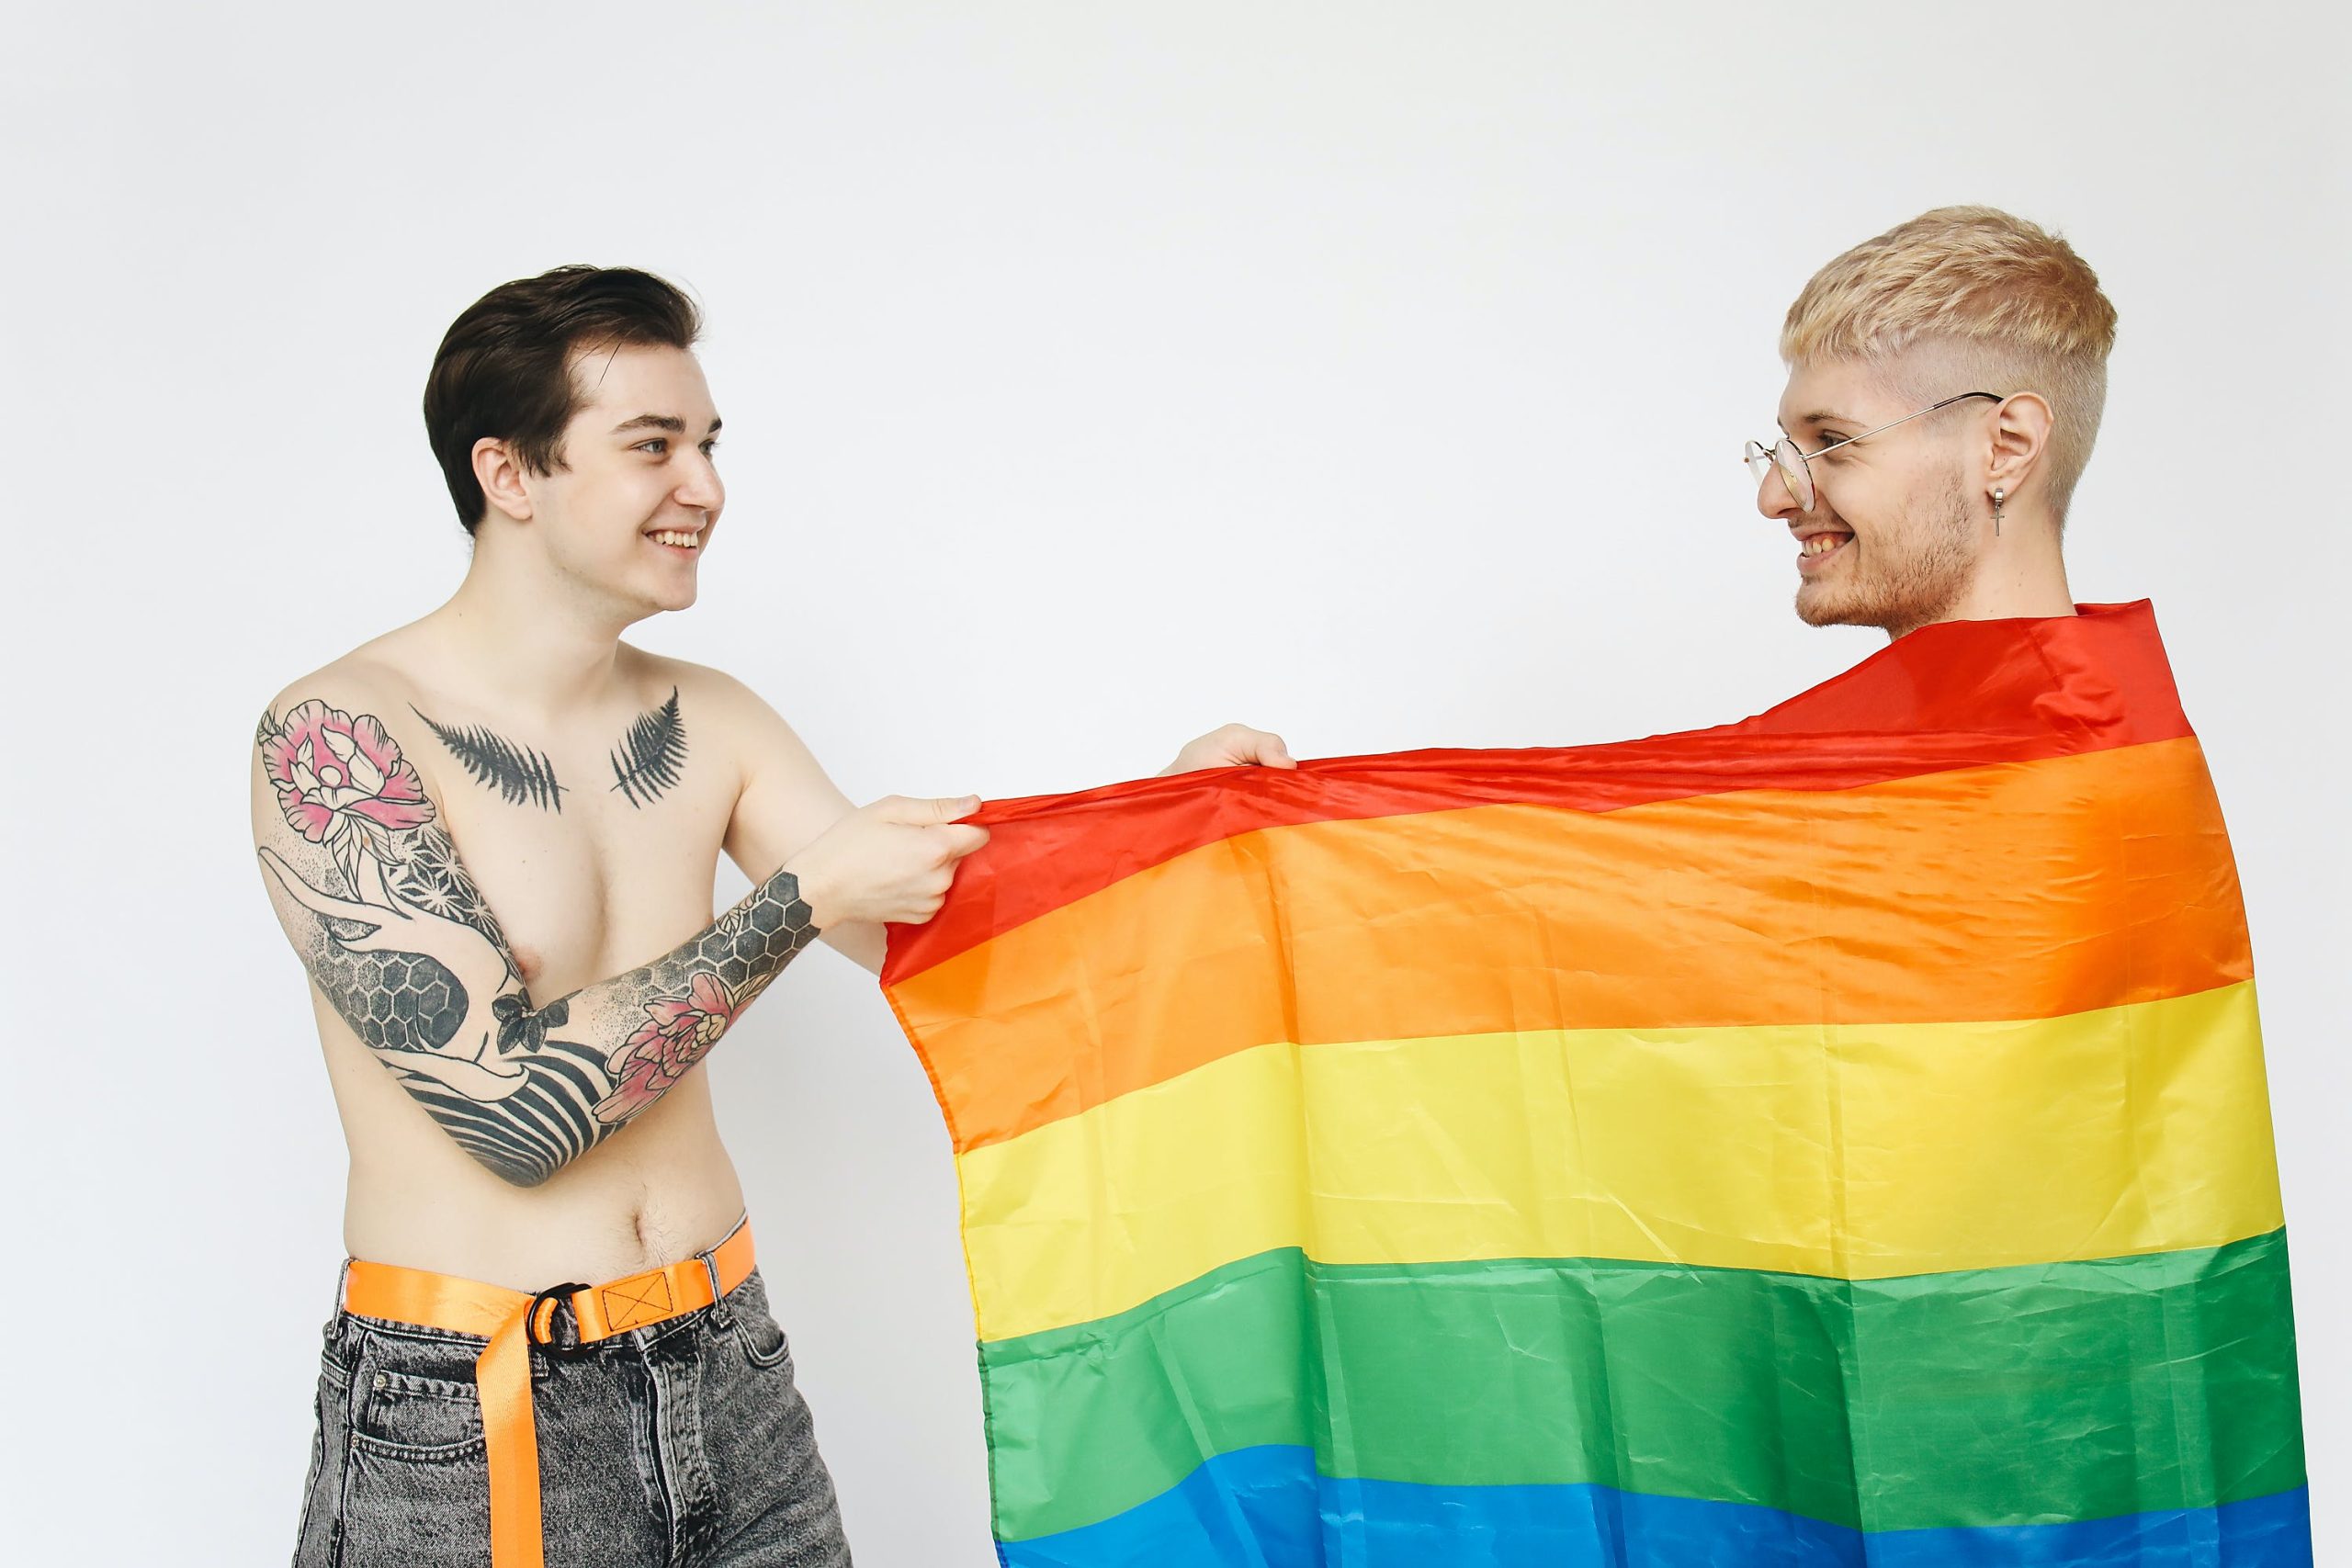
(1999, 496)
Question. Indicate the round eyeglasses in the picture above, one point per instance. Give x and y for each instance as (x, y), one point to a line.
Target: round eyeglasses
(1784, 456)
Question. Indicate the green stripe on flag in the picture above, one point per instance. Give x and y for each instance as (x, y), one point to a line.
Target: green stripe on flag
(2013, 1395)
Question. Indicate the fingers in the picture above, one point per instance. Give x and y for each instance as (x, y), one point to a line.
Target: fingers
(1260, 748)
(1228, 745)
(1268, 751)
(958, 839)
(952, 842)
(925, 813)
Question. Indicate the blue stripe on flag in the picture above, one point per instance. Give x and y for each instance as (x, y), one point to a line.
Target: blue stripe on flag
(1266, 1508)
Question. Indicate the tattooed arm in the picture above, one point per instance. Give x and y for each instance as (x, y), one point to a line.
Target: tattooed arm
(372, 894)
(787, 802)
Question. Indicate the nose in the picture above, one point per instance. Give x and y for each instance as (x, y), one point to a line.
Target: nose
(1773, 499)
(700, 486)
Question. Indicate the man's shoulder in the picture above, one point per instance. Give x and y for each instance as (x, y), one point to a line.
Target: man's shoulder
(724, 698)
(343, 728)
(358, 707)
(371, 675)
(757, 735)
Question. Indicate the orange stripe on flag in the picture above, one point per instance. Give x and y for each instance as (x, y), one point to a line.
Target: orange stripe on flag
(2020, 891)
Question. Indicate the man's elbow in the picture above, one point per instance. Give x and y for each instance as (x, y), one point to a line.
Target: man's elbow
(520, 1153)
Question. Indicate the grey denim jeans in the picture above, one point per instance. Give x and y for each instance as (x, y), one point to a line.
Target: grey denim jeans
(682, 1443)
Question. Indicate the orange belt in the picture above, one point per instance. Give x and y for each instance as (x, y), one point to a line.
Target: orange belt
(514, 1321)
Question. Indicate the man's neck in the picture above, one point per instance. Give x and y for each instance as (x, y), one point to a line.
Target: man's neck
(527, 634)
(2022, 575)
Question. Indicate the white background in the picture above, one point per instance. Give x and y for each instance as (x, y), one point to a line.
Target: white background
(1093, 374)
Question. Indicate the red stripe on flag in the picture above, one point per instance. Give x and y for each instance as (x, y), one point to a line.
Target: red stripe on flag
(1961, 694)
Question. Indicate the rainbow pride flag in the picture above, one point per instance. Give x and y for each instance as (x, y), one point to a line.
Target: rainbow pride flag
(1837, 1137)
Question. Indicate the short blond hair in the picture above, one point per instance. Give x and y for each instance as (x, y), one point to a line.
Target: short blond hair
(2004, 303)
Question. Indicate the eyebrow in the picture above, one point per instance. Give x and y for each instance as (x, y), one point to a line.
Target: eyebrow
(1823, 416)
(670, 423)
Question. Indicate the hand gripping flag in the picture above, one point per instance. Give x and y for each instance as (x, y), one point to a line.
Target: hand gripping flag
(1837, 1137)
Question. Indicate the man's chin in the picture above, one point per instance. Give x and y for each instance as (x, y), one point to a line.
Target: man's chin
(640, 602)
(671, 593)
(1815, 608)
(1832, 610)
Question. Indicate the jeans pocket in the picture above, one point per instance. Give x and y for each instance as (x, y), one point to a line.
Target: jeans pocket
(754, 1326)
(419, 1418)
(418, 1488)
(406, 1475)
(763, 1340)
(417, 1401)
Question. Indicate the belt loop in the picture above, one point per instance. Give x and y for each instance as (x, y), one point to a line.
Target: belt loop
(720, 1316)
(341, 1288)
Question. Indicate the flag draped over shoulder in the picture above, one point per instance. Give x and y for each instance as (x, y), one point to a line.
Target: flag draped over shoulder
(1837, 1137)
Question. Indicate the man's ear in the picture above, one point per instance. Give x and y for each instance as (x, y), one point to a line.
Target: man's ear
(2020, 442)
(500, 473)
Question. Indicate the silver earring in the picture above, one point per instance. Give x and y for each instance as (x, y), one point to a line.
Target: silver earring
(1998, 495)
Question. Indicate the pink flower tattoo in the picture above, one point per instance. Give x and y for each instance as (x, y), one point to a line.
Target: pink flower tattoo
(334, 773)
(675, 1035)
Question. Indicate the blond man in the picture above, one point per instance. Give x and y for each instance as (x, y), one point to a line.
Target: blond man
(1945, 385)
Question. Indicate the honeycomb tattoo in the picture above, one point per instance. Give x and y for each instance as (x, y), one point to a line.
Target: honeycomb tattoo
(745, 948)
(392, 1001)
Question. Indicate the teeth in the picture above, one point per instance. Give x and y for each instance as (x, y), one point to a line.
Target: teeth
(672, 537)
(1822, 543)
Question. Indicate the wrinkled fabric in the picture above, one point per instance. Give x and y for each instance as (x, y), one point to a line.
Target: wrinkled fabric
(1838, 1137)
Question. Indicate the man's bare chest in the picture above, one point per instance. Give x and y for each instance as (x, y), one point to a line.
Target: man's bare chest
(586, 882)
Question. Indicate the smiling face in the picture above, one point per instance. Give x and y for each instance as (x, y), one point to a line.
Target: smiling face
(630, 511)
(1892, 539)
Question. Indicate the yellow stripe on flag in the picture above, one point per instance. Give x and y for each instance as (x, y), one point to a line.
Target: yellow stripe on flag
(1862, 1151)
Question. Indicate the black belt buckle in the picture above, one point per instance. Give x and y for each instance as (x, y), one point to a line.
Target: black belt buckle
(559, 1294)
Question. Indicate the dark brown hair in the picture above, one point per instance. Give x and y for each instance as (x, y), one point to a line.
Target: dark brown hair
(504, 368)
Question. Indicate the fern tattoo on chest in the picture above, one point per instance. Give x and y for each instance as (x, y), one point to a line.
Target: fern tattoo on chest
(516, 772)
(646, 763)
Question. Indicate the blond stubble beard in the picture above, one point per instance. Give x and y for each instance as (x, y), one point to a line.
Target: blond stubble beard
(1916, 573)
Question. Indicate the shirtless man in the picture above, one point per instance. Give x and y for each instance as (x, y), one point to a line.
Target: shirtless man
(550, 1344)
